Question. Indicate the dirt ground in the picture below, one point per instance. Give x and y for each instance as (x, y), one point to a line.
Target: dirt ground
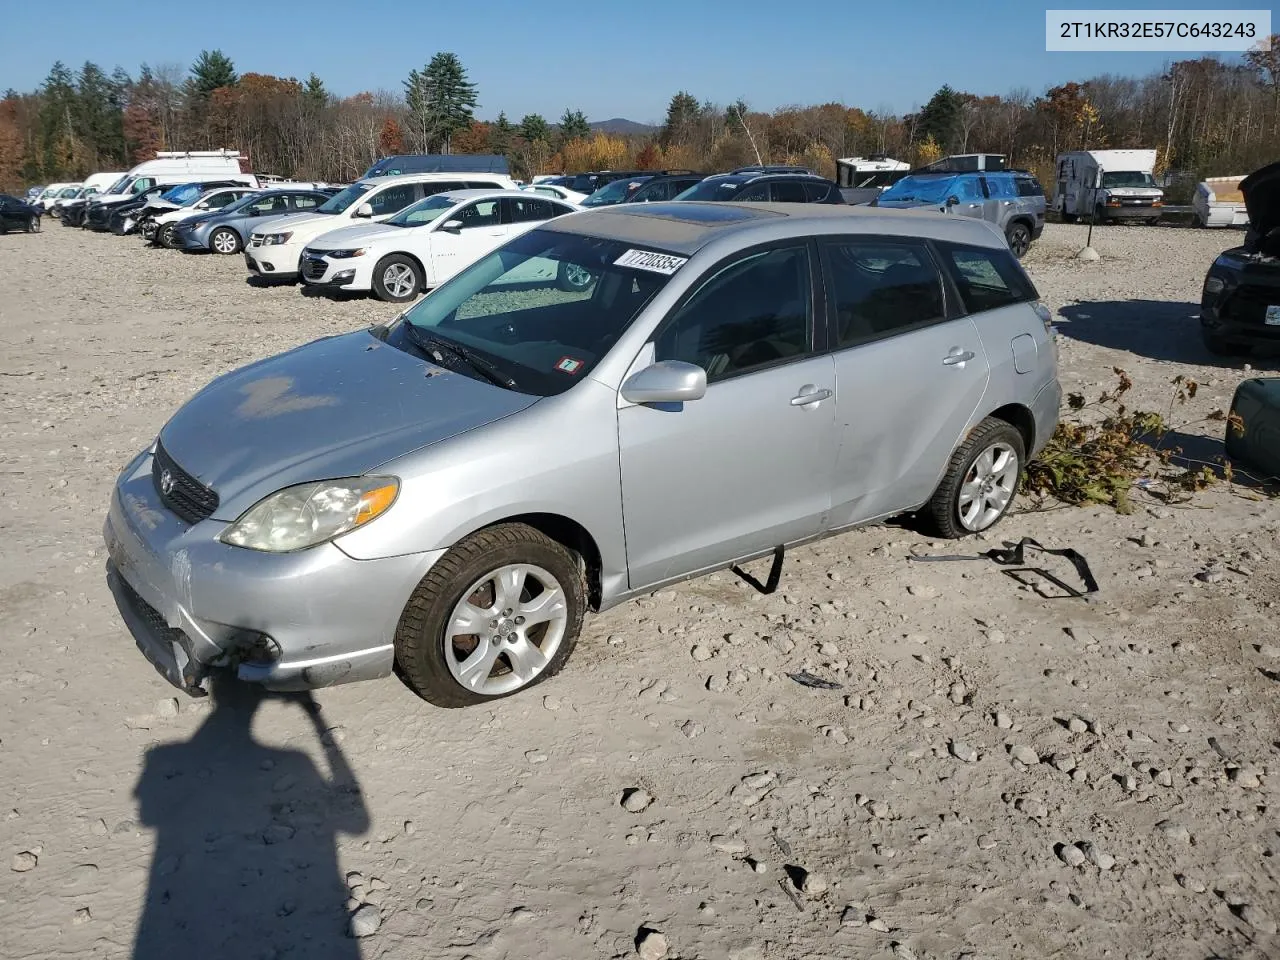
(1000, 775)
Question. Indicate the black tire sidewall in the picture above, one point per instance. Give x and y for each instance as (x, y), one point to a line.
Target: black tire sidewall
(1014, 230)
(420, 636)
(945, 505)
(380, 288)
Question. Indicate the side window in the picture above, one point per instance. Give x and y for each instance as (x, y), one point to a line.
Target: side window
(392, 199)
(482, 213)
(432, 187)
(751, 314)
(1001, 187)
(218, 201)
(969, 190)
(881, 288)
(479, 185)
(789, 191)
(987, 278)
(265, 205)
(1027, 187)
(523, 211)
(304, 201)
(757, 192)
(143, 184)
(816, 192)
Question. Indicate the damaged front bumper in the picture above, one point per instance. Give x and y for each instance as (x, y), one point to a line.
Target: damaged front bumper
(292, 621)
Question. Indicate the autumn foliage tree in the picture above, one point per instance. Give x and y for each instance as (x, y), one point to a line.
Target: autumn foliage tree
(391, 139)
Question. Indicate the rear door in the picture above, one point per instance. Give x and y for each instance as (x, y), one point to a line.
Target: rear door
(910, 372)
(973, 198)
(481, 229)
(789, 191)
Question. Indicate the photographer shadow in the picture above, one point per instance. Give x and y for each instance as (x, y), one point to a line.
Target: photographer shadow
(246, 860)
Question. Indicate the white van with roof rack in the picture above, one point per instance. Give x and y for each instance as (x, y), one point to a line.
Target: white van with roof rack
(180, 167)
(275, 247)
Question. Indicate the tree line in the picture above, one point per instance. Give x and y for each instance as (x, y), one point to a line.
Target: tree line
(1207, 116)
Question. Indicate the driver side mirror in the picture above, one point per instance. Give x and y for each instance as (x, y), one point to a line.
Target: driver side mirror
(452, 226)
(952, 200)
(364, 210)
(667, 381)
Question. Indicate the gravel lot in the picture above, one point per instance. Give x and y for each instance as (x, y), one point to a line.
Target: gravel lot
(1001, 775)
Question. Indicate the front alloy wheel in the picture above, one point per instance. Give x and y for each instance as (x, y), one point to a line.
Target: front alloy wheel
(225, 241)
(497, 614)
(1019, 237)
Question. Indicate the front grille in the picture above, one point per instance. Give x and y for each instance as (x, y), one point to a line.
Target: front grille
(313, 268)
(186, 496)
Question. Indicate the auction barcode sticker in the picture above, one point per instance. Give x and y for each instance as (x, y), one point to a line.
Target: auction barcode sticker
(1186, 31)
(652, 261)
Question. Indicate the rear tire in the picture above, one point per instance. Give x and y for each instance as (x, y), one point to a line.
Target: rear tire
(1019, 237)
(33, 225)
(432, 645)
(225, 241)
(981, 481)
(397, 279)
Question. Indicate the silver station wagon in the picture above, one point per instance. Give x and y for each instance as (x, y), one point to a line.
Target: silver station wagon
(614, 401)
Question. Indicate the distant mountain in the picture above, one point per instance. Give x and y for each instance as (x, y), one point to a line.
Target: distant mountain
(620, 125)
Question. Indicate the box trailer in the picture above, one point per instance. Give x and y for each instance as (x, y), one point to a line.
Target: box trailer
(1219, 203)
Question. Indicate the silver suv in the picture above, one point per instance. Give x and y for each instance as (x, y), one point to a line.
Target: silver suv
(1011, 200)
(611, 402)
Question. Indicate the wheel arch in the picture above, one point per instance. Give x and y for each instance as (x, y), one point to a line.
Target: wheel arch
(569, 533)
(1021, 419)
(408, 255)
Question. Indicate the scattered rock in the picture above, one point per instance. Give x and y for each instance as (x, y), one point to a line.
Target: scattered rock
(813, 884)
(875, 923)
(957, 693)
(535, 756)
(717, 683)
(1257, 918)
(1174, 831)
(1003, 720)
(759, 866)
(1192, 883)
(903, 952)
(1024, 754)
(1246, 777)
(1076, 725)
(691, 729)
(1103, 861)
(636, 800)
(701, 653)
(727, 844)
(277, 833)
(1064, 762)
(366, 921)
(24, 861)
(781, 641)
(854, 915)
(1071, 855)
(962, 751)
(551, 703)
(167, 707)
(922, 590)
(1211, 574)
(82, 915)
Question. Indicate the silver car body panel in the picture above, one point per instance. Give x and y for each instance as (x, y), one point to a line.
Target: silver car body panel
(662, 493)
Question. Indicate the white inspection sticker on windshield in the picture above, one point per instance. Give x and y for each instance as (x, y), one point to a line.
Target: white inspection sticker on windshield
(648, 260)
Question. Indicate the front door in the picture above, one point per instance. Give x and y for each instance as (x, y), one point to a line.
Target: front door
(748, 466)
(481, 231)
(909, 375)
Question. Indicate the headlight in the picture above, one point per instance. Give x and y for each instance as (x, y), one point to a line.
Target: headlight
(310, 513)
(346, 254)
(1214, 285)
(271, 239)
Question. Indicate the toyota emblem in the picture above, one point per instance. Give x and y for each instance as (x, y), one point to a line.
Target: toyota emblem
(166, 483)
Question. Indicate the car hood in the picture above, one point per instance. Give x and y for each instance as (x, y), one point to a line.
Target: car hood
(1261, 192)
(354, 236)
(293, 221)
(336, 407)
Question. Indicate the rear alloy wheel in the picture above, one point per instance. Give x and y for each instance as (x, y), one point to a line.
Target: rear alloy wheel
(981, 480)
(33, 225)
(573, 278)
(499, 613)
(397, 278)
(225, 241)
(1019, 237)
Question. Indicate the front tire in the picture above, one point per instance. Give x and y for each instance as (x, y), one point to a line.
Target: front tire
(397, 279)
(33, 225)
(1218, 346)
(981, 481)
(1019, 237)
(499, 613)
(225, 241)
(166, 236)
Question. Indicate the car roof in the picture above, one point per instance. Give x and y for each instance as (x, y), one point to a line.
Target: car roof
(474, 194)
(686, 226)
(426, 177)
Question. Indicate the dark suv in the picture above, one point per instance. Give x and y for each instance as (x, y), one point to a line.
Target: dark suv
(643, 188)
(766, 184)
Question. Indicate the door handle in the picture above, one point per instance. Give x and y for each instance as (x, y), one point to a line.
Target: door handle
(808, 395)
(957, 357)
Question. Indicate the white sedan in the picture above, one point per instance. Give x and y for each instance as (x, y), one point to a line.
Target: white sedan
(557, 191)
(426, 243)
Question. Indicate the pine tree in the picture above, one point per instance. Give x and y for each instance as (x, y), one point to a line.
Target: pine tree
(534, 127)
(421, 123)
(451, 97)
(573, 126)
(212, 69)
(57, 122)
(501, 134)
(940, 118)
(315, 94)
(682, 112)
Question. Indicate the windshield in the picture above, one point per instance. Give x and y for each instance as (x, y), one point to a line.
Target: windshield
(714, 188)
(69, 192)
(340, 201)
(919, 190)
(1127, 179)
(424, 211)
(543, 309)
(613, 193)
(118, 186)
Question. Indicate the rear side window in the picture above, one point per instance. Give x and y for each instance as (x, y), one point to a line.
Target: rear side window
(432, 187)
(392, 200)
(987, 278)
(1029, 187)
(521, 210)
(481, 185)
(816, 192)
(880, 288)
(1001, 187)
(789, 191)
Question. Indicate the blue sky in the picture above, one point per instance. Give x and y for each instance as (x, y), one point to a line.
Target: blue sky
(607, 59)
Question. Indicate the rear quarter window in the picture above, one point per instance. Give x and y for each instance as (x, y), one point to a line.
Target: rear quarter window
(987, 278)
(1029, 187)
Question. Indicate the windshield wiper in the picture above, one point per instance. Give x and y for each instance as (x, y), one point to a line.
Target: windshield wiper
(476, 363)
